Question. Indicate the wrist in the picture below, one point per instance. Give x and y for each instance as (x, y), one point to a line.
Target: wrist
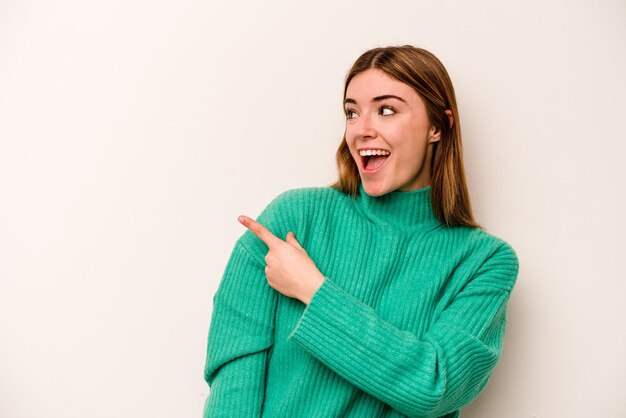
(312, 289)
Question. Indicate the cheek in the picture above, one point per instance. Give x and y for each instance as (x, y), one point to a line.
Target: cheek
(409, 151)
(348, 134)
(349, 139)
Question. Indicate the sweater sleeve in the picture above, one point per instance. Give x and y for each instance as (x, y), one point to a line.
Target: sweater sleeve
(241, 334)
(427, 376)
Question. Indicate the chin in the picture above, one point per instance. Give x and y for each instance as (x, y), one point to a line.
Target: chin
(375, 189)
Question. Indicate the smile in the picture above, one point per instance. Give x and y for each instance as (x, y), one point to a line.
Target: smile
(371, 164)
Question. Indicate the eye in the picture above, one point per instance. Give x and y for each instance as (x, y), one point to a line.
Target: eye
(386, 110)
(350, 114)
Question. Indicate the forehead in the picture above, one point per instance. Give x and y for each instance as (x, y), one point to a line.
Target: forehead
(375, 82)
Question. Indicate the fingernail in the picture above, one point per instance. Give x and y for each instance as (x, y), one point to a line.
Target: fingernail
(240, 219)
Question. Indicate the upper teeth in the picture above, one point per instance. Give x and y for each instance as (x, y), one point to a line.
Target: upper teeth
(366, 152)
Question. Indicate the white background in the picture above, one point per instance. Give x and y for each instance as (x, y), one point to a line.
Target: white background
(133, 133)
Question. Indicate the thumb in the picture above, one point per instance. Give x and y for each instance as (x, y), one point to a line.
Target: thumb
(291, 239)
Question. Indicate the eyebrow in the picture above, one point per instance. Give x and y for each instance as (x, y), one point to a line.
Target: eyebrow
(377, 99)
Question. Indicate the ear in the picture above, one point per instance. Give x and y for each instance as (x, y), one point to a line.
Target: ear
(435, 134)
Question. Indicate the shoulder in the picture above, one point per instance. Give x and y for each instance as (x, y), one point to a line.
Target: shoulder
(305, 195)
(488, 240)
(501, 262)
(490, 256)
(290, 210)
(298, 203)
(498, 246)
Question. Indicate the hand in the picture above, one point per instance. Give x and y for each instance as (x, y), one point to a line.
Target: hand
(289, 268)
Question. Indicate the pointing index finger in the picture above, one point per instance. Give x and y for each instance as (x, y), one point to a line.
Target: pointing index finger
(260, 231)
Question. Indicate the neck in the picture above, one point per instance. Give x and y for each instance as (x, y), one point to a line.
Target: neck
(409, 209)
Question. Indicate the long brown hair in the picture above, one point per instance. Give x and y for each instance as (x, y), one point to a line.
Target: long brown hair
(424, 72)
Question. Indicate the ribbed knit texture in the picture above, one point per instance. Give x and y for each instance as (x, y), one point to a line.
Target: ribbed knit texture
(409, 321)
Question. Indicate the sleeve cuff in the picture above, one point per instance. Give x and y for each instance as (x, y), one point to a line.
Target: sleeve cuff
(327, 317)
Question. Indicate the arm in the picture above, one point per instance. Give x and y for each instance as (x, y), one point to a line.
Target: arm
(242, 326)
(425, 376)
(241, 332)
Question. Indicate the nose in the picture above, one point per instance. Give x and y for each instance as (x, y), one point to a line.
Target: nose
(363, 127)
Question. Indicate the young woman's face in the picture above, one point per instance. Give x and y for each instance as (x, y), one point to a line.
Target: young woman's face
(385, 114)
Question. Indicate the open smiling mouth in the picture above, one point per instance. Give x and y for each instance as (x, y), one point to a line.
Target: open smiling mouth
(371, 163)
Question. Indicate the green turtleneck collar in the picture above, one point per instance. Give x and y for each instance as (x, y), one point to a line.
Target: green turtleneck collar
(410, 209)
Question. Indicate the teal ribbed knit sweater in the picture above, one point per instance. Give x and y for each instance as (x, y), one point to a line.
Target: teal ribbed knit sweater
(409, 321)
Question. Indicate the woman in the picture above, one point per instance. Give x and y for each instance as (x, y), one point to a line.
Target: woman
(378, 296)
